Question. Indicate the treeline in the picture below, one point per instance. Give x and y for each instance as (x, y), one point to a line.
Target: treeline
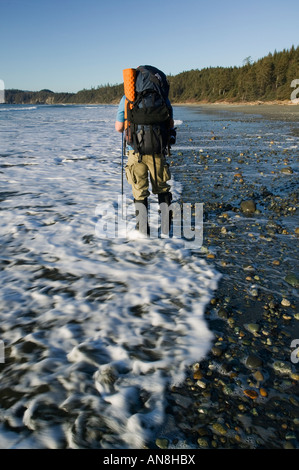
(104, 94)
(267, 79)
(36, 97)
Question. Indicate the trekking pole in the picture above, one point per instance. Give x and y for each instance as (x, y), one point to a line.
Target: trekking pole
(122, 175)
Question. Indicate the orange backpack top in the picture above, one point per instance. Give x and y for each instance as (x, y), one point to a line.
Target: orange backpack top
(129, 76)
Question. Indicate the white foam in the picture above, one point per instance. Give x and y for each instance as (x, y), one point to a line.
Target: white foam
(17, 108)
(112, 322)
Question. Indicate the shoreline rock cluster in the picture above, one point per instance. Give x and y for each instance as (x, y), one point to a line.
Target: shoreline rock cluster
(244, 394)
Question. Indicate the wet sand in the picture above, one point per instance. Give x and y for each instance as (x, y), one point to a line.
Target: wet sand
(283, 111)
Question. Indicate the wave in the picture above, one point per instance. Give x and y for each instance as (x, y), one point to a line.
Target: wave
(97, 329)
(18, 108)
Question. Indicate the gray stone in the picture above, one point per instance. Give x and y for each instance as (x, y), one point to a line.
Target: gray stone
(253, 362)
(248, 207)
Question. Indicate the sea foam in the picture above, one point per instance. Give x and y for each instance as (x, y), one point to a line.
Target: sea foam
(95, 329)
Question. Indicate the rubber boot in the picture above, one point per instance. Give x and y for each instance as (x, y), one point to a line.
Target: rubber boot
(141, 211)
(164, 200)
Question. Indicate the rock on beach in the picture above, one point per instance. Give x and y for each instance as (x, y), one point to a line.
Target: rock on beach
(245, 391)
(248, 207)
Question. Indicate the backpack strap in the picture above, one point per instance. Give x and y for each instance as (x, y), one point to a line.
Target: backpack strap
(154, 160)
(138, 139)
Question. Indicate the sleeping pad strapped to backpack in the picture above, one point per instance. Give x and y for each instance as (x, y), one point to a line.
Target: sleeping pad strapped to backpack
(148, 117)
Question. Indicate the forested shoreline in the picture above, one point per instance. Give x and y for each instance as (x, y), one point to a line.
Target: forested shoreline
(267, 79)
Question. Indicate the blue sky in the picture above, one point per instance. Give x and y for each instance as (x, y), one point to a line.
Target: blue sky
(68, 45)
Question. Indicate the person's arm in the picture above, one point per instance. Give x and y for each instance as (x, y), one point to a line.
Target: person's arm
(120, 116)
(119, 126)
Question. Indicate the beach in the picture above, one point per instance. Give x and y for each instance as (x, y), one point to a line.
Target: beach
(244, 394)
(112, 341)
(272, 110)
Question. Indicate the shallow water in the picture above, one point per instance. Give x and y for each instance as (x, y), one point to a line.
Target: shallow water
(95, 329)
(226, 157)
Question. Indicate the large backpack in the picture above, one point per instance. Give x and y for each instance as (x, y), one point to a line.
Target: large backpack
(149, 115)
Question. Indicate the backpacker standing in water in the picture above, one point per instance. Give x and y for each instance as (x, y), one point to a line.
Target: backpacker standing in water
(146, 116)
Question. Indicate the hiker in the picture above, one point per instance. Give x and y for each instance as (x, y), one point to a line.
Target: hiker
(147, 140)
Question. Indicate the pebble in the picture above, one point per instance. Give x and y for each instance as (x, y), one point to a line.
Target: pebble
(292, 279)
(162, 443)
(288, 445)
(219, 428)
(253, 327)
(282, 367)
(253, 362)
(254, 292)
(287, 170)
(202, 442)
(295, 376)
(258, 376)
(197, 375)
(216, 351)
(201, 383)
(251, 394)
(248, 207)
(285, 303)
(263, 392)
(248, 267)
(222, 313)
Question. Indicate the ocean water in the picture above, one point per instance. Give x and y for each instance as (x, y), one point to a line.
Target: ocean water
(95, 329)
